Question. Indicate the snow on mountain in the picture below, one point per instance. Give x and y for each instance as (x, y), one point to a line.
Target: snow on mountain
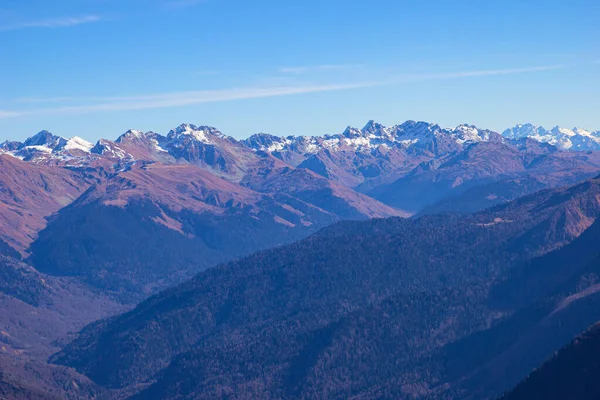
(189, 141)
(77, 143)
(151, 141)
(150, 146)
(45, 146)
(269, 143)
(45, 139)
(576, 139)
(109, 149)
(131, 134)
(9, 146)
(372, 136)
(204, 134)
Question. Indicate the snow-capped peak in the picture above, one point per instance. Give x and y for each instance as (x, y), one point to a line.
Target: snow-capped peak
(200, 133)
(563, 138)
(109, 149)
(9, 145)
(77, 143)
(582, 132)
(45, 139)
(374, 136)
(267, 142)
(470, 133)
(133, 135)
(524, 130)
(372, 127)
(557, 130)
(351, 132)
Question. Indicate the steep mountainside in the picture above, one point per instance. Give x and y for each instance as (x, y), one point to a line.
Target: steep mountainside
(154, 224)
(548, 301)
(37, 309)
(30, 192)
(368, 309)
(31, 380)
(571, 374)
(39, 314)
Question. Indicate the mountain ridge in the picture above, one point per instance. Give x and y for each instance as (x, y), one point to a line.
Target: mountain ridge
(404, 134)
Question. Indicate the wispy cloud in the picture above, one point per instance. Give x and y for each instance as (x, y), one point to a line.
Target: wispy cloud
(10, 114)
(53, 23)
(486, 72)
(180, 99)
(316, 68)
(34, 100)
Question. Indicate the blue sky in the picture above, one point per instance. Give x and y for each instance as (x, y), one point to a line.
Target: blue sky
(95, 68)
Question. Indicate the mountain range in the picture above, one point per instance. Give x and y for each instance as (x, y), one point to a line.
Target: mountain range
(378, 161)
(395, 262)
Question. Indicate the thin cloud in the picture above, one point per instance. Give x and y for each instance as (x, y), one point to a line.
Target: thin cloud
(34, 100)
(467, 74)
(53, 23)
(180, 99)
(315, 68)
(170, 100)
(10, 114)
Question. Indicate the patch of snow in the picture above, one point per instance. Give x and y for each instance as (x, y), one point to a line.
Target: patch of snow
(40, 148)
(77, 143)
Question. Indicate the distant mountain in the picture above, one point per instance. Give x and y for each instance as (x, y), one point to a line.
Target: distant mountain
(485, 174)
(376, 160)
(576, 139)
(415, 165)
(45, 147)
(375, 151)
(371, 309)
(418, 136)
(197, 144)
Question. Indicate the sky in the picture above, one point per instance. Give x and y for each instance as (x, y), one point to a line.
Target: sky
(95, 68)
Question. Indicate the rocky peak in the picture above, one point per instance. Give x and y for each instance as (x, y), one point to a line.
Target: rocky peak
(46, 139)
(205, 134)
